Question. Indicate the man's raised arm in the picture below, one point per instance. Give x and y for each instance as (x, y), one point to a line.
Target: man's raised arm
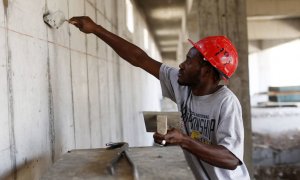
(128, 51)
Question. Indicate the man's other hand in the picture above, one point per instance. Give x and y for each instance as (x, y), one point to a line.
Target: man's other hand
(174, 136)
(84, 23)
(158, 138)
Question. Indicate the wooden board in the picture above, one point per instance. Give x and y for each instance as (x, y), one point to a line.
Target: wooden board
(152, 163)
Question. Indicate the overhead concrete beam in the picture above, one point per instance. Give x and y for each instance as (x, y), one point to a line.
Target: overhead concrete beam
(259, 45)
(169, 49)
(170, 56)
(167, 31)
(266, 44)
(168, 37)
(167, 13)
(274, 8)
(254, 46)
(274, 29)
(170, 24)
(173, 42)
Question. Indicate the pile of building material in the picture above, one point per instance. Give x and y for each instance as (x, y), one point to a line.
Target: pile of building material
(284, 94)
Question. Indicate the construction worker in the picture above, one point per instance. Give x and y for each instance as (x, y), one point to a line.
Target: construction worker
(212, 133)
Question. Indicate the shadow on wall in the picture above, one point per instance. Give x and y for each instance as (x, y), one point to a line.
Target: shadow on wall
(27, 170)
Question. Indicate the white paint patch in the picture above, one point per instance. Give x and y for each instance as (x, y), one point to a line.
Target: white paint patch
(55, 20)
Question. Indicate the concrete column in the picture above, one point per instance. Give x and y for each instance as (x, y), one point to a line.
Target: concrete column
(190, 28)
(227, 17)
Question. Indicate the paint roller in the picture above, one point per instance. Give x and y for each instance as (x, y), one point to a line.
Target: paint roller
(55, 20)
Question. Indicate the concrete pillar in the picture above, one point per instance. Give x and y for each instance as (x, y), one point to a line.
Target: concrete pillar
(189, 30)
(227, 17)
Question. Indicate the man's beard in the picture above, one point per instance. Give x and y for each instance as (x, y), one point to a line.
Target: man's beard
(183, 83)
(188, 83)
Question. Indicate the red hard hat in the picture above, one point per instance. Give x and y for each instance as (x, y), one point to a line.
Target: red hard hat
(219, 52)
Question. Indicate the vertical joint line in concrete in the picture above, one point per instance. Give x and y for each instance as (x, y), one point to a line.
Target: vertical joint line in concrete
(10, 98)
(220, 18)
(238, 6)
(97, 50)
(50, 100)
(225, 19)
(116, 7)
(71, 77)
(108, 87)
(88, 83)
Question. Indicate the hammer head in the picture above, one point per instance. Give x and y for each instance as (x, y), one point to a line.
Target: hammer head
(153, 119)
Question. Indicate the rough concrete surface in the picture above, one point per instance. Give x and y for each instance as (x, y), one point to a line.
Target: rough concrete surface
(151, 163)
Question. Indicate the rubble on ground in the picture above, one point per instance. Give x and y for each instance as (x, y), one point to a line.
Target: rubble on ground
(276, 156)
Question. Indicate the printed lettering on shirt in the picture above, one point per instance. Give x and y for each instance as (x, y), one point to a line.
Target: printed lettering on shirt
(199, 126)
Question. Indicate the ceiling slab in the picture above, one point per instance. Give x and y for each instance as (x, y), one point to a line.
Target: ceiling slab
(274, 29)
(275, 8)
(164, 20)
(268, 20)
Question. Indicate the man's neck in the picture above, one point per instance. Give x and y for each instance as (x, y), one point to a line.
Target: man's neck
(205, 90)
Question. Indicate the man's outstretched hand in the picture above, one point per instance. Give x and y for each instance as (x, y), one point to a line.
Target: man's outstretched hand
(84, 23)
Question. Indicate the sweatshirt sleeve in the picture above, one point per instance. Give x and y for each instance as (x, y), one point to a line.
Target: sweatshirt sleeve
(230, 132)
(168, 79)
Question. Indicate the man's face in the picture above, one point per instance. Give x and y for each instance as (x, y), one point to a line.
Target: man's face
(189, 73)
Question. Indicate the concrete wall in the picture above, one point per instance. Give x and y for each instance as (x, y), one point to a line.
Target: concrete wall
(62, 90)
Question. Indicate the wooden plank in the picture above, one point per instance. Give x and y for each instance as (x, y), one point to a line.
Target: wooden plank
(161, 163)
(152, 163)
(284, 94)
(162, 124)
(285, 89)
(285, 98)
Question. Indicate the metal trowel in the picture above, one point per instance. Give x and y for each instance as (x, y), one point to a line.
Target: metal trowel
(54, 20)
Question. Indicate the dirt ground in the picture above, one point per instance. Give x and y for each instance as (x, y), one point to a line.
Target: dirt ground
(279, 172)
